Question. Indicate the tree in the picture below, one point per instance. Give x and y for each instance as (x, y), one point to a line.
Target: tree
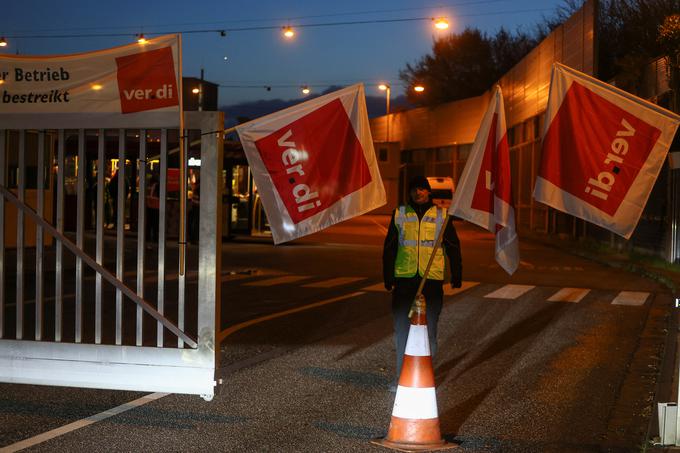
(669, 39)
(629, 38)
(464, 65)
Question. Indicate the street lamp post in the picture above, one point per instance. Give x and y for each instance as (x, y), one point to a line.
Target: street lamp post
(386, 88)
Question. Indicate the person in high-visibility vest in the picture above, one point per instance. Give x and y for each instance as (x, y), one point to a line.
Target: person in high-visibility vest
(408, 245)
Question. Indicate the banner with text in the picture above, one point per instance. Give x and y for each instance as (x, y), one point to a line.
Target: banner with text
(602, 151)
(314, 163)
(136, 85)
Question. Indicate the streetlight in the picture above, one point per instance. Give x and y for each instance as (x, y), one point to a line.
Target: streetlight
(3, 42)
(386, 87)
(141, 38)
(288, 32)
(199, 91)
(441, 23)
(418, 88)
(305, 89)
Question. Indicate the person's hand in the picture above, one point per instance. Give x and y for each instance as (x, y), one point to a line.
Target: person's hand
(456, 284)
(389, 286)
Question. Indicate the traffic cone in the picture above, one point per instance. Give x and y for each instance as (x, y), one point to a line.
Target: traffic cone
(415, 421)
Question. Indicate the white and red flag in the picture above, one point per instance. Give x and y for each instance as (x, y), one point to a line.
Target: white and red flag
(314, 163)
(484, 192)
(603, 149)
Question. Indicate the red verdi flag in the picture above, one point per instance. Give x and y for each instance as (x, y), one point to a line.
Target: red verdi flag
(484, 193)
(603, 149)
(314, 163)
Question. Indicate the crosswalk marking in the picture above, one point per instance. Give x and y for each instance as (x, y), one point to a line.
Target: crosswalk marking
(448, 291)
(632, 298)
(278, 280)
(333, 282)
(569, 295)
(378, 287)
(509, 292)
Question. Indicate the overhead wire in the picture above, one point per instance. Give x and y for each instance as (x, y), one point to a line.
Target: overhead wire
(223, 31)
(134, 28)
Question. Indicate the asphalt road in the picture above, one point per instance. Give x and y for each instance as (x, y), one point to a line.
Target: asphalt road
(563, 361)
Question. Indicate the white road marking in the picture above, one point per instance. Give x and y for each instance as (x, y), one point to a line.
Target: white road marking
(381, 227)
(44, 437)
(40, 438)
(448, 291)
(509, 292)
(631, 298)
(235, 328)
(278, 280)
(569, 295)
(333, 282)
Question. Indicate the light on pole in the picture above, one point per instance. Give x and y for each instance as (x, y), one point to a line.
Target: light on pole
(386, 88)
(441, 23)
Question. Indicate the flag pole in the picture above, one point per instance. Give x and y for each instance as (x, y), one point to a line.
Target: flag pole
(182, 173)
(437, 243)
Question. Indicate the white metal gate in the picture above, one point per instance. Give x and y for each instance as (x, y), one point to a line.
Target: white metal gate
(161, 341)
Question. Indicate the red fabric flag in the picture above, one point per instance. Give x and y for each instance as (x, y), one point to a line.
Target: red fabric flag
(484, 193)
(314, 163)
(602, 151)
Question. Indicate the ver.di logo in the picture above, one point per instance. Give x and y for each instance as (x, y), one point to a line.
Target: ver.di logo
(146, 81)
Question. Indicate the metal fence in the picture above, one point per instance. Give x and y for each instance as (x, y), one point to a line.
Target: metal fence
(79, 311)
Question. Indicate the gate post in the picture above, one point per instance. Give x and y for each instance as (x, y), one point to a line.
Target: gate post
(210, 233)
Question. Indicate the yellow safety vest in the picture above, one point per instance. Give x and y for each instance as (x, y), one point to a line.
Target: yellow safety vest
(416, 241)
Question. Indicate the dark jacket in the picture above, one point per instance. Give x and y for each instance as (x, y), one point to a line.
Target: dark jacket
(450, 243)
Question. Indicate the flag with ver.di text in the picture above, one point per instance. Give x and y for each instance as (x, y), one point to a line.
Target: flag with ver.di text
(314, 163)
(131, 86)
(484, 192)
(602, 150)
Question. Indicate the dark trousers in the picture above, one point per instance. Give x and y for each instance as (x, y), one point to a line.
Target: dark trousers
(151, 225)
(402, 297)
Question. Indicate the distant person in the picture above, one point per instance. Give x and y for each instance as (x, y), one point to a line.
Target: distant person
(113, 194)
(408, 245)
(153, 204)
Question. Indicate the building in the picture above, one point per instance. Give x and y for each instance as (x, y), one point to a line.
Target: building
(436, 141)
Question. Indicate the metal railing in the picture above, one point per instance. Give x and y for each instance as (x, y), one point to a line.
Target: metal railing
(80, 356)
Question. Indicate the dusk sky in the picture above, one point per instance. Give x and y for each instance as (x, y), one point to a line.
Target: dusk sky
(317, 56)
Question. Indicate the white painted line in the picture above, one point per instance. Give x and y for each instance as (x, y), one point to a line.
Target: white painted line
(333, 282)
(44, 437)
(569, 295)
(631, 298)
(448, 291)
(278, 280)
(381, 227)
(235, 328)
(26, 443)
(510, 292)
(378, 287)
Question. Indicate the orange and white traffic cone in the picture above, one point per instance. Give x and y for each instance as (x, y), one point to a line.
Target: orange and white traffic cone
(415, 421)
